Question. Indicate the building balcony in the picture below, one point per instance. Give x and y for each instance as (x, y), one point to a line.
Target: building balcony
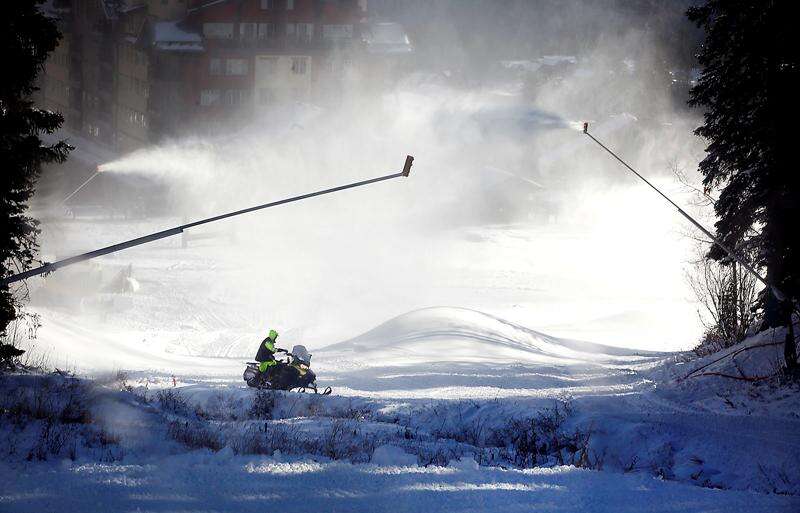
(280, 43)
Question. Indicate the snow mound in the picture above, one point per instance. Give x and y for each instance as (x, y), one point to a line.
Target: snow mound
(440, 334)
(393, 456)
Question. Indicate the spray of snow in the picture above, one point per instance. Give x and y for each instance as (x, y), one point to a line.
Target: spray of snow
(509, 210)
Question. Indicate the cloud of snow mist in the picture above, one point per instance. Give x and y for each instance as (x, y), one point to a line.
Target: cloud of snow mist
(592, 253)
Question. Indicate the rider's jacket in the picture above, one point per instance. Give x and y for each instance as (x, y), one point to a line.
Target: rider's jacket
(266, 354)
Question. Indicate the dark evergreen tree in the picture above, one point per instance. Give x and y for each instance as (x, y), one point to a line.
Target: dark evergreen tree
(27, 37)
(748, 91)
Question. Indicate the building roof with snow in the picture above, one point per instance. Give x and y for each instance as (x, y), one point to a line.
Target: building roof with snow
(386, 38)
(169, 36)
(113, 8)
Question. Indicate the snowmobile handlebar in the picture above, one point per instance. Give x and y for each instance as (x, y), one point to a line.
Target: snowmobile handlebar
(290, 356)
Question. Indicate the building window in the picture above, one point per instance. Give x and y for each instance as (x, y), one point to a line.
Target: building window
(218, 30)
(209, 97)
(299, 65)
(137, 118)
(303, 32)
(337, 31)
(267, 4)
(235, 97)
(215, 67)
(139, 87)
(236, 67)
(289, 5)
(266, 30)
(247, 31)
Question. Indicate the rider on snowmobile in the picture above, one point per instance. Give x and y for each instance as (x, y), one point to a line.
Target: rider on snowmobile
(269, 373)
(266, 352)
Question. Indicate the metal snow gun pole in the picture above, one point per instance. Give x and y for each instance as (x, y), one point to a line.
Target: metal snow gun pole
(97, 171)
(777, 293)
(52, 266)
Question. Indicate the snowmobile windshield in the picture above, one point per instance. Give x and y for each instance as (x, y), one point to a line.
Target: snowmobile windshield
(301, 354)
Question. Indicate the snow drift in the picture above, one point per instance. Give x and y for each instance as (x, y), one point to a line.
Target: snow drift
(447, 334)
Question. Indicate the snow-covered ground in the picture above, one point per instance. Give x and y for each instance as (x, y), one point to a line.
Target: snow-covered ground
(220, 482)
(434, 408)
(657, 447)
(418, 403)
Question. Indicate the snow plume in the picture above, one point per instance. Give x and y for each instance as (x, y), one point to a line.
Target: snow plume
(176, 161)
(509, 208)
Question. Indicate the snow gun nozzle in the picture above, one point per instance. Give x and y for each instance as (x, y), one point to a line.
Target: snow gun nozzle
(407, 165)
(585, 127)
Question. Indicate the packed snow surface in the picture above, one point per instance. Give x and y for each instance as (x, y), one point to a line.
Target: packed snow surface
(412, 390)
(207, 483)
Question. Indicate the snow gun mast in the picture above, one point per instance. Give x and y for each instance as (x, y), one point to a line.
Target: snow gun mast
(730, 252)
(52, 266)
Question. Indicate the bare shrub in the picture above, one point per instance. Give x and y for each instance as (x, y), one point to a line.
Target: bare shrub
(142, 393)
(726, 291)
(117, 380)
(584, 456)
(269, 438)
(51, 399)
(663, 461)
(461, 421)
(262, 406)
(172, 401)
(51, 418)
(194, 435)
(436, 454)
(352, 412)
(522, 436)
(284, 438)
(51, 440)
(344, 440)
(22, 328)
(542, 439)
(314, 406)
(221, 406)
(728, 298)
(467, 430)
(251, 441)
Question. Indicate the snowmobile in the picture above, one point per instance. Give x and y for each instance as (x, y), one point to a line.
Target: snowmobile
(293, 373)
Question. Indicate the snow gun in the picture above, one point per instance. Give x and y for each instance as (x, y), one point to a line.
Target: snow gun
(732, 254)
(49, 267)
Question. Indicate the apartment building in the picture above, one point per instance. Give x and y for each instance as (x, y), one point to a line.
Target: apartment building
(259, 53)
(130, 72)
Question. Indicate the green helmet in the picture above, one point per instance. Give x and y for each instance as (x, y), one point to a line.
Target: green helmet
(273, 335)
